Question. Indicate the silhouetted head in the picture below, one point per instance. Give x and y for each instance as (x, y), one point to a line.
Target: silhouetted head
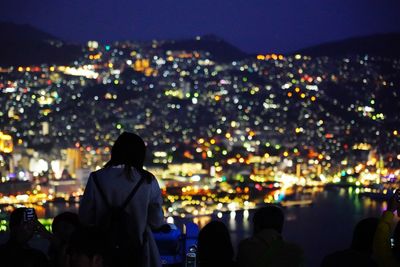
(363, 235)
(129, 150)
(21, 231)
(87, 247)
(269, 217)
(214, 245)
(64, 225)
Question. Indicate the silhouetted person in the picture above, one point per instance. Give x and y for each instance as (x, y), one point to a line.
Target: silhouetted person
(16, 252)
(86, 248)
(360, 251)
(215, 246)
(115, 182)
(63, 226)
(382, 250)
(266, 247)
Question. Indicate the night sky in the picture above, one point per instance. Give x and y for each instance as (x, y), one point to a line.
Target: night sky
(251, 25)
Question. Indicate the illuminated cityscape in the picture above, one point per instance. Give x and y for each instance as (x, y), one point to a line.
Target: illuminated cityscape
(220, 135)
(240, 105)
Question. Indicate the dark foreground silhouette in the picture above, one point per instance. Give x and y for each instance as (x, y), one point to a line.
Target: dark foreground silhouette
(121, 223)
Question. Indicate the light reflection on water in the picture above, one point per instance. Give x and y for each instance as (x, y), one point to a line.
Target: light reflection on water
(321, 228)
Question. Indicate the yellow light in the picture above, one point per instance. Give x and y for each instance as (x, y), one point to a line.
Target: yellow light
(228, 135)
(297, 89)
(28, 69)
(285, 154)
(395, 133)
(6, 143)
(298, 130)
(212, 141)
(217, 98)
(201, 141)
(260, 57)
(110, 65)
(20, 69)
(313, 98)
(303, 95)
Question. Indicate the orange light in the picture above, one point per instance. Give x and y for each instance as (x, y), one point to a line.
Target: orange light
(289, 94)
(217, 98)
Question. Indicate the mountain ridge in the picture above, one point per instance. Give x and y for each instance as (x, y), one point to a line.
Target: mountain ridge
(381, 44)
(25, 45)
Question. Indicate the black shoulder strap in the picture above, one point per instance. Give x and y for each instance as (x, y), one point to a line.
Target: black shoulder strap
(103, 195)
(133, 192)
(128, 199)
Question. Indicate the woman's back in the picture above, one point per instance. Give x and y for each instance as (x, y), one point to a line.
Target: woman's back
(111, 186)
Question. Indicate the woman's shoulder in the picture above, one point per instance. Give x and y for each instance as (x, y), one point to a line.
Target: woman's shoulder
(147, 175)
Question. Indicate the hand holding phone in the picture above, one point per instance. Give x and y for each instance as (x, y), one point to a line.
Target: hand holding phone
(29, 215)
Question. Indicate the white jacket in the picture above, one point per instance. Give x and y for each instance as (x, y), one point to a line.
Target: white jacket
(146, 204)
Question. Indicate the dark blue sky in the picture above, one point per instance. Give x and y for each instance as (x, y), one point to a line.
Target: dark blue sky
(252, 25)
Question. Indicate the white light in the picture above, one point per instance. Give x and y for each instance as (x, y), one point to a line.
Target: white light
(170, 220)
(195, 178)
(232, 206)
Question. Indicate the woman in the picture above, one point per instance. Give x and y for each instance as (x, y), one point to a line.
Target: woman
(111, 186)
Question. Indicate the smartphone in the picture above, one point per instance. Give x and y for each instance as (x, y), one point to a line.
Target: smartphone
(190, 259)
(29, 215)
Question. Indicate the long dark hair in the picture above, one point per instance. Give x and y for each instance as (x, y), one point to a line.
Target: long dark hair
(129, 150)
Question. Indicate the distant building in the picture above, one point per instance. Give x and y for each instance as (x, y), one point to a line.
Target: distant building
(6, 143)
